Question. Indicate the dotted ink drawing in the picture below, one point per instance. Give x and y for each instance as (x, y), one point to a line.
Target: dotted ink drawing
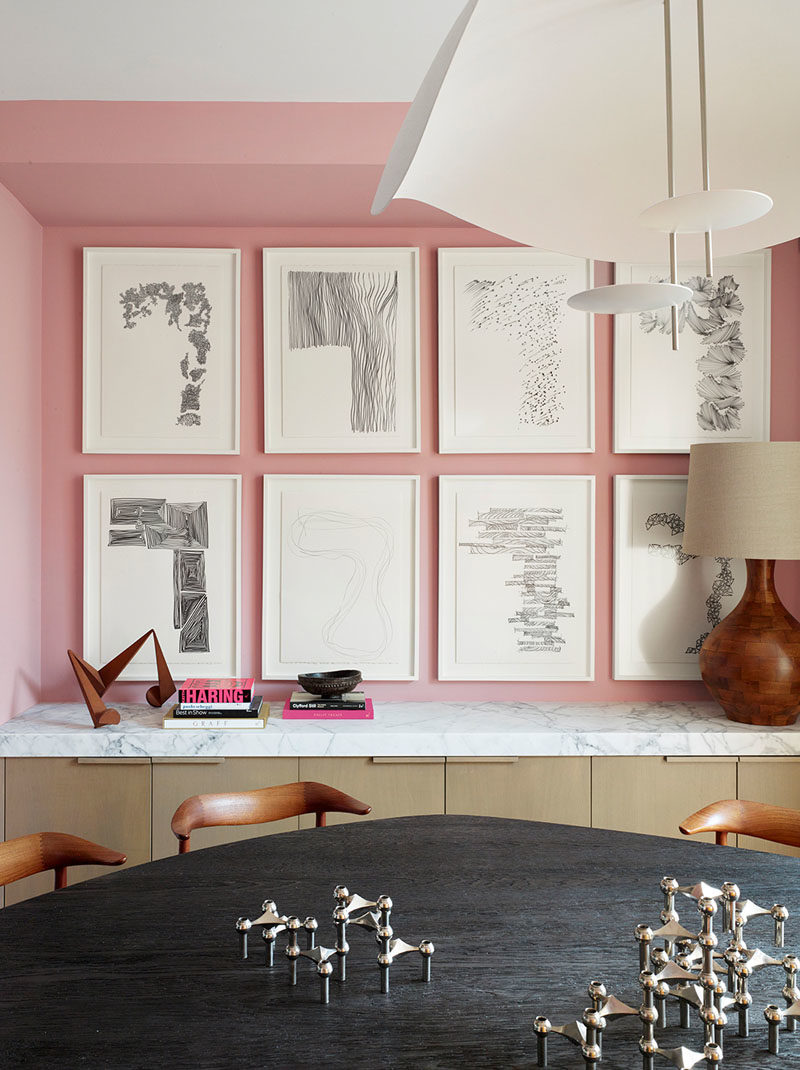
(357, 310)
(529, 310)
(533, 537)
(186, 308)
(714, 313)
(722, 587)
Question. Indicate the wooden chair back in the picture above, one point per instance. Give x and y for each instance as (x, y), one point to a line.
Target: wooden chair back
(261, 805)
(41, 851)
(776, 823)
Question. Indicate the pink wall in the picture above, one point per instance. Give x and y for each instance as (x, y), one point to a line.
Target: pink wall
(64, 465)
(21, 449)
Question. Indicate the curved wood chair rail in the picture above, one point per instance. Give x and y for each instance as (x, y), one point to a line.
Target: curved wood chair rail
(41, 851)
(261, 805)
(776, 823)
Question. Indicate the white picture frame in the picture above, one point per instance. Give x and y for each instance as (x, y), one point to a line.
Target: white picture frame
(665, 602)
(161, 350)
(341, 575)
(714, 388)
(331, 385)
(484, 525)
(163, 552)
(516, 364)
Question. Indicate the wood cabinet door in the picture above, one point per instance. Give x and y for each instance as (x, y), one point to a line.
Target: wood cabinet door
(393, 787)
(772, 780)
(653, 795)
(176, 779)
(106, 800)
(534, 789)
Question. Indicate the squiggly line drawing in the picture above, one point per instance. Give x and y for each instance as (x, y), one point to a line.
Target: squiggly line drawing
(324, 533)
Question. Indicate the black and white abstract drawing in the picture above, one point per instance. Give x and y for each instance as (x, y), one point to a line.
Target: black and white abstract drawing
(161, 351)
(515, 362)
(516, 587)
(666, 602)
(162, 552)
(188, 310)
(340, 575)
(715, 387)
(533, 538)
(183, 529)
(335, 535)
(358, 311)
(341, 350)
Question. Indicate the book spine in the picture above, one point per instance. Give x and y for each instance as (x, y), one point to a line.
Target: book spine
(329, 715)
(214, 715)
(201, 707)
(216, 723)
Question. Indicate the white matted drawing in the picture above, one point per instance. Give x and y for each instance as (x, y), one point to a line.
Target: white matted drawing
(341, 350)
(516, 364)
(160, 350)
(665, 601)
(341, 575)
(715, 388)
(516, 577)
(163, 552)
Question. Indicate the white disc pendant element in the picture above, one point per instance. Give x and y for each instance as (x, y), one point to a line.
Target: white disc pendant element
(629, 297)
(707, 209)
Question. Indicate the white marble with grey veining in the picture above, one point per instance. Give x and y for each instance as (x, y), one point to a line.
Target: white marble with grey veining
(407, 729)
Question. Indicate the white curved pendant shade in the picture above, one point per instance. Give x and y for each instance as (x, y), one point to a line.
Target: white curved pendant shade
(629, 297)
(710, 209)
(543, 121)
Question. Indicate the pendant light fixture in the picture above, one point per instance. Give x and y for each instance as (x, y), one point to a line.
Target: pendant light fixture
(692, 213)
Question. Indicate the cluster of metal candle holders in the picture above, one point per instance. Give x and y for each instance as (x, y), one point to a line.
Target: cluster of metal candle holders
(378, 921)
(690, 971)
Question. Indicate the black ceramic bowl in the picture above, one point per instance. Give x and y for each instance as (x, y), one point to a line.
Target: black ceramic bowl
(329, 684)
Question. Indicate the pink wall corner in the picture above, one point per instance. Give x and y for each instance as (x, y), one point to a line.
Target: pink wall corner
(64, 464)
(21, 448)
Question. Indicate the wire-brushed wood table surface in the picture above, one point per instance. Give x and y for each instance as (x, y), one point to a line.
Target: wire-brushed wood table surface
(141, 968)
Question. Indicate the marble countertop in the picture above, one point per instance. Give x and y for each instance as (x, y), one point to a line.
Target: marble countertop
(454, 729)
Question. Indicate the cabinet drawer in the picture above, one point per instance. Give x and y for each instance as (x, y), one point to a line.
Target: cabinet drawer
(393, 787)
(534, 789)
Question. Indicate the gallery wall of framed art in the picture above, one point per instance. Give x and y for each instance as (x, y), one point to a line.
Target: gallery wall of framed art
(368, 490)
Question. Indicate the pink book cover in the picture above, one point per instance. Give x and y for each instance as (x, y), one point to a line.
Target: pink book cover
(367, 714)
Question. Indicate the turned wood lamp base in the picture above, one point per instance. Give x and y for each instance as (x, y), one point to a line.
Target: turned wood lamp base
(751, 661)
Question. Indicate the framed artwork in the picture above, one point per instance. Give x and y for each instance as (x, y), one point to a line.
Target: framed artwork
(516, 364)
(665, 601)
(341, 575)
(516, 577)
(715, 388)
(341, 350)
(163, 552)
(160, 350)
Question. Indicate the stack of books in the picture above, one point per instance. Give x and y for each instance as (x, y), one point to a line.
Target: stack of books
(352, 706)
(217, 704)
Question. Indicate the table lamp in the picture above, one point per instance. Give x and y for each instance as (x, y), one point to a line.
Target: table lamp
(744, 501)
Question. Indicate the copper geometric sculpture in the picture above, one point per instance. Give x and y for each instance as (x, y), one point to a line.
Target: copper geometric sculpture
(95, 682)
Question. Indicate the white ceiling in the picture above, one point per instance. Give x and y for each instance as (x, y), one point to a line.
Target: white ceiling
(248, 50)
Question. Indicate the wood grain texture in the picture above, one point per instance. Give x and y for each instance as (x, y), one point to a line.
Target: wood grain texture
(175, 781)
(43, 851)
(726, 816)
(523, 915)
(103, 803)
(751, 661)
(772, 780)
(260, 806)
(651, 795)
(535, 789)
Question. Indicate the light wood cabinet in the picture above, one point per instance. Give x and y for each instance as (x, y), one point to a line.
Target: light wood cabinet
(772, 780)
(535, 789)
(102, 799)
(175, 779)
(652, 795)
(393, 787)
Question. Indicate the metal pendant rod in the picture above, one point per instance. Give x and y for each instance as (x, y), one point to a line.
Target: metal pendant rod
(701, 67)
(673, 245)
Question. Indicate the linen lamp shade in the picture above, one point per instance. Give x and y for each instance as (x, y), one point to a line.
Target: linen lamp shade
(744, 501)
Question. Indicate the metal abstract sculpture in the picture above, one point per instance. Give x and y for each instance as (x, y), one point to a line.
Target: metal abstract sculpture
(95, 682)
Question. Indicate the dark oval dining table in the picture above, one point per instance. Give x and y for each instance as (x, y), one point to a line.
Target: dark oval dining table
(141, 968)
